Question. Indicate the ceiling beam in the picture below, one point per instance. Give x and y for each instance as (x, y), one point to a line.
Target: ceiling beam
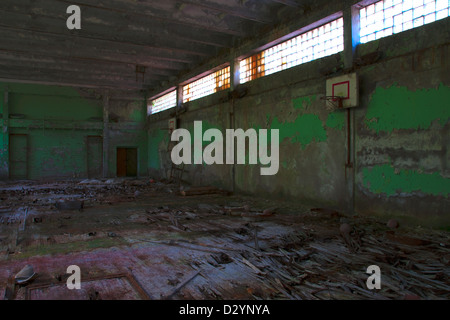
(290, 3)
(116, 12)
(235, 8)
(163, 11)
(61, 45)
(120, 66)
(51, 25)
(168, 37)
(64, 72)
(75, 84)
(55, 77)
(66, 66)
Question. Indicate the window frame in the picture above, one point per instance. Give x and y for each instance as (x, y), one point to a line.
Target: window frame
(373, 35)
(304, 30)
(204, 75)
(161, 95)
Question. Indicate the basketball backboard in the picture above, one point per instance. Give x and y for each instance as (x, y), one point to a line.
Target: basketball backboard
(344, 88)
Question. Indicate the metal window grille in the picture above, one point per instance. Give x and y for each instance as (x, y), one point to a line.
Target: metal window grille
(215, 82)
(388, 17)
(162, 103)
(317, 43)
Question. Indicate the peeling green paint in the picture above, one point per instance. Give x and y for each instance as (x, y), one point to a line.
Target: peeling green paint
(137, 115)
(52, 150)
(57, 121)
(305, 129)
(303, 102)
(53, 107)
(55, 154)
(385, 179)
(399, 108)
(336, 120)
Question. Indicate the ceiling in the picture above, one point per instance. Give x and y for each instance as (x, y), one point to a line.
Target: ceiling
(166, 37)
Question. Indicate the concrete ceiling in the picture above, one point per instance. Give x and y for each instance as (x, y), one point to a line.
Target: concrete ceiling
(167, 37)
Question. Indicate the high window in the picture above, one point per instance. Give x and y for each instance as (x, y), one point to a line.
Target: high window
(215, 82)
(387, 17)
(317, 43)
(162, 103)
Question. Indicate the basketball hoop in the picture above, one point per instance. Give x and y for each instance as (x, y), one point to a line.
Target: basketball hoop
(342, 92)
(333, 102)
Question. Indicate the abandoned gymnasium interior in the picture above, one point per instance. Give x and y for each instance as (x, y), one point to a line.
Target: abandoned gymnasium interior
(224, 150)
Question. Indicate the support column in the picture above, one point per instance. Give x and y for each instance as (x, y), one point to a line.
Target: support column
(5, 131)
(106, 134)
(351, 33)
(179, 96)
(351, 40)
(235, 81)
(235, 73)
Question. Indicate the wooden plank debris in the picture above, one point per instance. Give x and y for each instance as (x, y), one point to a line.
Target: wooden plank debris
(198, 191)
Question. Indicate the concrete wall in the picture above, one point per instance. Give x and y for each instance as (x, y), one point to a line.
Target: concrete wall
(127, 129)
(58, 120)
(398, 134)
(403, 126)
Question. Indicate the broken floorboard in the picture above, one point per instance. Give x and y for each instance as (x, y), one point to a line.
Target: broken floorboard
(213, 246)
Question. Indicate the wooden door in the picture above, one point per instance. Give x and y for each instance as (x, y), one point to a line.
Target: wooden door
(126, 162)
(121, 162)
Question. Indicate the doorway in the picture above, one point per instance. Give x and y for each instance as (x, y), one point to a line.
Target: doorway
(126, 162)
(18, 156)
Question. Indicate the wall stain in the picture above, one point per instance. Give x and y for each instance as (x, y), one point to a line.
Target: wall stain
(336, 120)
(156, 137)
(304, 102)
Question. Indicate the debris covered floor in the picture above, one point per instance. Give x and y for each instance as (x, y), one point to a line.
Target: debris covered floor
(140, 239)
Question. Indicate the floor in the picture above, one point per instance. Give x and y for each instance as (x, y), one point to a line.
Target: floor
(143, 239)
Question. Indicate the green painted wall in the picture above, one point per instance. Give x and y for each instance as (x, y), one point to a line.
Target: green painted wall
(396, 108)
(52, 152)
(385, 179)
(56, 153)
(399, 131)
(305, 130)
(336, 120)
(410, 124)
(40, 107)
(58, 121)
